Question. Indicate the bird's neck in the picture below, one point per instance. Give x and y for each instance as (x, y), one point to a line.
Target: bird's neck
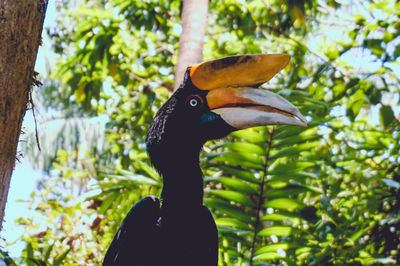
(183, 181)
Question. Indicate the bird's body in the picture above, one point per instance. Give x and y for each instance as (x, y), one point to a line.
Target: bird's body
(182, 228)
(208, 105)
(167, 236)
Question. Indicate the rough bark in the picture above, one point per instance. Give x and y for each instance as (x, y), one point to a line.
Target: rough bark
(194, 23)
(21, 24)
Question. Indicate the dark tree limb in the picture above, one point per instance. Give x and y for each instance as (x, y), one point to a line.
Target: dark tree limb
(21, 24)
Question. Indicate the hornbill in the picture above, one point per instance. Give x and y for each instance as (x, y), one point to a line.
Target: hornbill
(216, 97)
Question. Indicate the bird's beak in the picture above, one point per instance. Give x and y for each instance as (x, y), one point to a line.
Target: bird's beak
(249, 107)
(232, 95)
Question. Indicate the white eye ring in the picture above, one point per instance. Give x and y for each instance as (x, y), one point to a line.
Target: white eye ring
(193, 102)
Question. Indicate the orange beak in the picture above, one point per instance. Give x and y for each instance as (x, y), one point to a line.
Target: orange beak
(231, 81)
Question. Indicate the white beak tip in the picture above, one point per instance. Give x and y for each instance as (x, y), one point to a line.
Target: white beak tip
(301, 118)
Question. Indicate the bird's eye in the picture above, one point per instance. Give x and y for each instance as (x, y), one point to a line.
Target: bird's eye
(194, 101)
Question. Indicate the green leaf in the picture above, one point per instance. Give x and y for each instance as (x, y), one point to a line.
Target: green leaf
(246, 147)
(281, 216)
(388, 37)
(304, 136)
(107, 203)
(284, 167)
(48, 252)
(338, 90)
(250, 135)
(292, 188)
(375, 95)
(303, 250)
(241, 174)
(359, 19)
(310, 145)
(353, 82)
(59, 260)
(396, 52)
(375, 46)
(298, 176)
(278, 231)
(233, 196)
(287, 151)
(38, 262)
(238, 185)
(135, 178)
(283, 132)
(231, 222)
(29, 254)
(149, 170)
(242, 159)
(227, 208)
(365, 257)
(353, 33)
(356, 101)
(284, 204)
(332, 52)
(274, 247)
(354, 237)
(239, 232)
(268, 256)
(386, 116)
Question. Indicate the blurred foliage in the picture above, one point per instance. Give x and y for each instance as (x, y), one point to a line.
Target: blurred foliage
(327, 194)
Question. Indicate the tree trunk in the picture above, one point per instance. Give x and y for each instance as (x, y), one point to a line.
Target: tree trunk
(194, 23)
(21, 24)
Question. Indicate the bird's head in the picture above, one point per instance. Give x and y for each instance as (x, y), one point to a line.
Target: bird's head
(218, 97)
